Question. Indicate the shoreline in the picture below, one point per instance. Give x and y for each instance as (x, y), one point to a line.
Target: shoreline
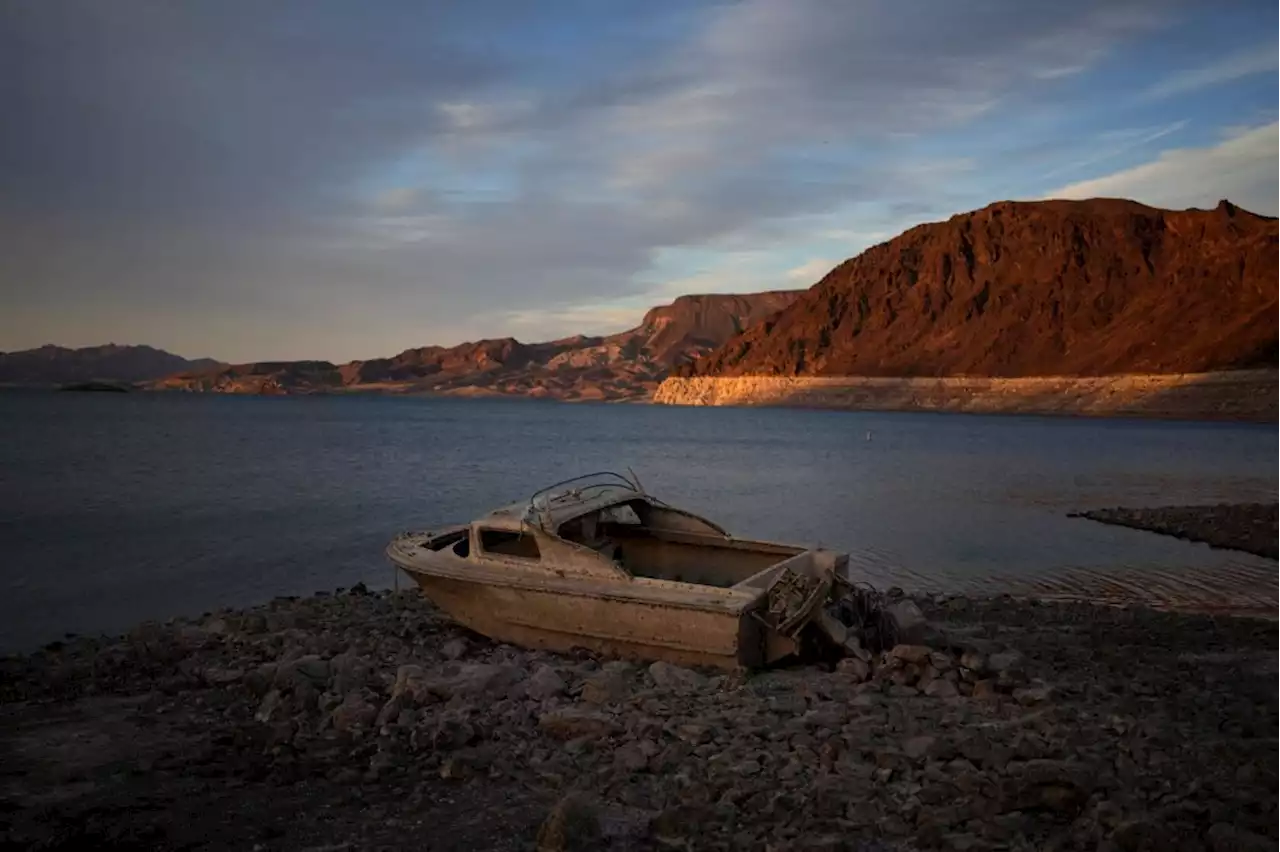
(1234, 396)
(1239, 396)
(1244, 527)
(393, 728)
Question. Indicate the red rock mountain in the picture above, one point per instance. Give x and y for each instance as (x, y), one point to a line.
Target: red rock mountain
(54, 365)
(626, 365)
(1083, 288)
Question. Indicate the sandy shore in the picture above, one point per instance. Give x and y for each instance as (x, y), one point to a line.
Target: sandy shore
(367, 721)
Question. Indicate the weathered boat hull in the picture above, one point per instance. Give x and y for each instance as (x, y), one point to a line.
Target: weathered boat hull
(605, 567)
(562, 620)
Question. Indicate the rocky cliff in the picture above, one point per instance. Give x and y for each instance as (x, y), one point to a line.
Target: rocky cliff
(57, 365)
(1075, 288)
(624, 366)
(1242, 395)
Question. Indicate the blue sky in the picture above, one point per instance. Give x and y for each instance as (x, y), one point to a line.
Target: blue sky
(340, 180)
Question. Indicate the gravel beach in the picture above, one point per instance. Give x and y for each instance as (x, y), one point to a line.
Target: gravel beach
(361, 720)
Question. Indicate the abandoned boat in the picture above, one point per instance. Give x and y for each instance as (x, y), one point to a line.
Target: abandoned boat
(596, 562)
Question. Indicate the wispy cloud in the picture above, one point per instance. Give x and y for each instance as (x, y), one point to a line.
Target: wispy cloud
(810, 272)
(1246, 63)
(1113, 143)
(1242, 169)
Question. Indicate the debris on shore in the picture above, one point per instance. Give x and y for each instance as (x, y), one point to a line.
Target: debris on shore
(365, 720)
(1248, 527)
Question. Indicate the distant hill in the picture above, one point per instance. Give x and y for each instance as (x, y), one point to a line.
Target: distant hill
(627, 365)
(1070, 288)
(57, 365)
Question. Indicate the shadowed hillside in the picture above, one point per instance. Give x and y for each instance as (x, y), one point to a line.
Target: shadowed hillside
(55, 365)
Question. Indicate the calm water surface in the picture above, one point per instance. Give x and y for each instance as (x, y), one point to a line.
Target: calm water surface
(117, 508)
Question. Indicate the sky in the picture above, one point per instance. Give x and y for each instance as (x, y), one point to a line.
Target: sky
(339, 180)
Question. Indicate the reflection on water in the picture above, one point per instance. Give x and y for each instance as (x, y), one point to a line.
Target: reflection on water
(114, 509)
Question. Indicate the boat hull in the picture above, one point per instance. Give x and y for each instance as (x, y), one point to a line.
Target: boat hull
(642, 627)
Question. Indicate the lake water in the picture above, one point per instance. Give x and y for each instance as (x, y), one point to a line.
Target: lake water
(117, 508)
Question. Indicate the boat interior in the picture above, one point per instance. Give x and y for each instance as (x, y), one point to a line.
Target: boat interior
(647, 541)
(664, 544)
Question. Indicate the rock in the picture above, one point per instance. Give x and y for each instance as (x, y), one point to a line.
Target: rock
(667, 676)
(220, 676)
(273, 707)
(855, 668)
(672, 826)
(454, 649)
(853, 647)
(1224, 837)
(694, 733)
(260, 679)
(1055, 785)
(630, 758)
(1144, 835)
(911, 653)
(985, 689)
(788, 704)
(605, 687)
(941, 662)
(453, 768)
(1005, 661)
(974, 661)
(941, 688)
(908, 622)
(391, 710)
(481, 679)
(1029, 696)
(310, 670)
(917, 747)
(354, 712)
(568, 723)
(411, 685)
(545, 683)
(348, 672)
(475, 680)
(572, 826)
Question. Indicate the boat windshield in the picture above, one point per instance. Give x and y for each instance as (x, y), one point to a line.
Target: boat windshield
(604, 485)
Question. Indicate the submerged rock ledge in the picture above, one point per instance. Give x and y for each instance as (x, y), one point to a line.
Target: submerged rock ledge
(1249, 395)
(368, 721)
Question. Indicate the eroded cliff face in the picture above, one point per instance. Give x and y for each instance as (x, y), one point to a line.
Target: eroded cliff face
(1245, 395)
(624, 366)
(1083, 288)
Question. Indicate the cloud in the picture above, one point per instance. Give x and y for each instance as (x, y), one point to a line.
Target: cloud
(326, 179)
(1261, 59)
(1242, 169)
(809, 273)
(1116, 142)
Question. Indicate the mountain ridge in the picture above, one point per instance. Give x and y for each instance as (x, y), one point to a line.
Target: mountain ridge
(129, 364)
(1088, 288)
(627, 365)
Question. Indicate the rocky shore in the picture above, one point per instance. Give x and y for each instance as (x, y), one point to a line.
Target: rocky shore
(365, 720)
(1238, 395)
(1250, 527)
